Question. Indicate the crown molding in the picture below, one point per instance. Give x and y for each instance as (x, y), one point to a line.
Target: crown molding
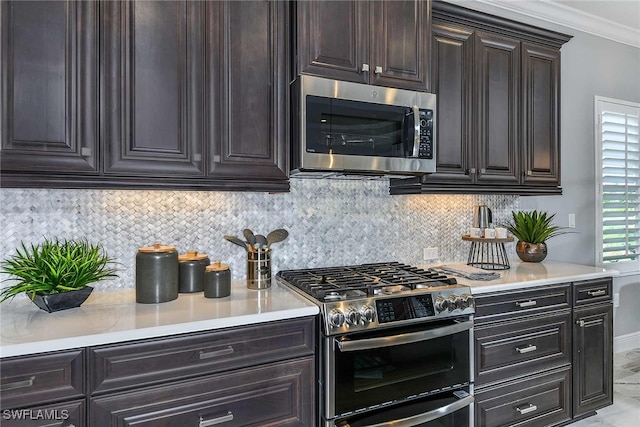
(560, 14)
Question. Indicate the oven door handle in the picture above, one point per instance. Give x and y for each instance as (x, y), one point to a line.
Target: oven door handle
(421, 419)
(429, 334)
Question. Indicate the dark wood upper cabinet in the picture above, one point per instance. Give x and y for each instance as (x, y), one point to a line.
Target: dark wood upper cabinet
(452, 79)
(384, 43)
(248, 90)
(49, 87)
(153, 88)
(498, 88)
(541, 110)
(497, 105)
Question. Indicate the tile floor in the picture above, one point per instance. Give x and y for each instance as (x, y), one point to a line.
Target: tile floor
(625, 411)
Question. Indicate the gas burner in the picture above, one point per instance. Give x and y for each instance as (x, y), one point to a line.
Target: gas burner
(334, 296)
(395, 289)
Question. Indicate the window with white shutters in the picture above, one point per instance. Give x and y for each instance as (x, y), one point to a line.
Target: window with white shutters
(618, 155)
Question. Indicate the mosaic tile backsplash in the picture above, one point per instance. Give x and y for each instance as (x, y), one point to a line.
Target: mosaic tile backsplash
(330, 222)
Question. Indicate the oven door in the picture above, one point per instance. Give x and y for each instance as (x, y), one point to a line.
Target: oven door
(366, 370)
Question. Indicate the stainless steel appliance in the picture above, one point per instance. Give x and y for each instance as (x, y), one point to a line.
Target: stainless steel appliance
(351, 128)
(396, 345)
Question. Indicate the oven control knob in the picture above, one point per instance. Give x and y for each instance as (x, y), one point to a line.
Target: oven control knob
(441, 304)
(336, 318)
(367, 314)
(465, 301)
(454, 302)
(352, 316)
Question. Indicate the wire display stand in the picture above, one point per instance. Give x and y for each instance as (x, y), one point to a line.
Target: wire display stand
(488, 254)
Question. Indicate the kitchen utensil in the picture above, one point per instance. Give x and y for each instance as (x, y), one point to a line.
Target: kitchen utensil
(217, 280)
(249, 236)
(234, 239)
(261, 240)
(482, 216)
(276, 236)
(259, 268)
(191, 267)
(156, 274)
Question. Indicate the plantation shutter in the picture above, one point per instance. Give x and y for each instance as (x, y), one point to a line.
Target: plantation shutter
(620, 185)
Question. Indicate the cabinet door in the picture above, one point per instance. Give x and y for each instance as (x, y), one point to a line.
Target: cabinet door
(153, 88)
(541, 115)
(62, 414)
(49, 86)
(249, 86)
(400, 44)
(452, 80)
(592, 358)
(333, 39)
(498, 104)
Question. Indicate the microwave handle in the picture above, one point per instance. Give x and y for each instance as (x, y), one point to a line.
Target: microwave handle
(416, 132)
(371, 343)
(426, 417)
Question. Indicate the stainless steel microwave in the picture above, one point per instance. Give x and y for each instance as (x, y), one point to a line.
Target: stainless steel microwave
(352, 128)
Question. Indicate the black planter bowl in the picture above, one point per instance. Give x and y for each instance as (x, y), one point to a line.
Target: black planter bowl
(62, 301)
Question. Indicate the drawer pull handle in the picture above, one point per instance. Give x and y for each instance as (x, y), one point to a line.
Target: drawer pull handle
(223, 352)
(527, 349)
(582, 323)
(597, 293)
(528, 409)
(17, 384)
(214, 421)
(530, 303)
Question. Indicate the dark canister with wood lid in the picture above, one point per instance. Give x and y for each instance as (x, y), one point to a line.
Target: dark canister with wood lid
(192, 266)
(217, 280)
(156, 274)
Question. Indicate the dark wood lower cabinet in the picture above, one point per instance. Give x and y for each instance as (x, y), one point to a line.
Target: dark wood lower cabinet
(277, 394)
(592, 358)
(544, 355)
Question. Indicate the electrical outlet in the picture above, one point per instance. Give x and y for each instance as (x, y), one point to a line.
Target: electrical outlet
(616, 300)
(572, 220)
(430, 253)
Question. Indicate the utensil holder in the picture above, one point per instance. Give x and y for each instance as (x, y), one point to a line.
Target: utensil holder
(259, 268)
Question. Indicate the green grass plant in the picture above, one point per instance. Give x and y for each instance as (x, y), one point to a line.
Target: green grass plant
(55, 266)
(533, 226)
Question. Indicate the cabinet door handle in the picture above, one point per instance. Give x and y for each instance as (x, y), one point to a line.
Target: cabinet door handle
(528, 409)
(529, 173)
(597, 293)
(472, 171)
(582, 323)
(378, 70)
(214, 421)
(365, 68)
(17, 384)
(526, 349)
(529, 303)
(85, 151)
(211, 354)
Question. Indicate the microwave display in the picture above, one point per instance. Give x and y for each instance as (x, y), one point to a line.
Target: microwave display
(353, 128)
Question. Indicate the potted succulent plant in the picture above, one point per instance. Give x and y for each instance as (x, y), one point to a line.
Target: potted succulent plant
(55, 274)
(532, 229)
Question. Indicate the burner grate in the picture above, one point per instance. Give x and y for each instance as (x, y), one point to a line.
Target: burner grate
(334, 283)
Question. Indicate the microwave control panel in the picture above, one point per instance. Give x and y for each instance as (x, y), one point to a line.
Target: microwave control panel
(426, 134)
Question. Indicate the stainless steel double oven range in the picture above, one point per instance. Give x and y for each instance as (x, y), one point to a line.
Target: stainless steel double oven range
(395, 345)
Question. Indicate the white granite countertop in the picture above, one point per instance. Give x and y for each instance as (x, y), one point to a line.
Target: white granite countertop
(524, 275)
(114, 316)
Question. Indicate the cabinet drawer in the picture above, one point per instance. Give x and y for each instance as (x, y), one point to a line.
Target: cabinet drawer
(492, 306)
(42, 378)
(147, 362)
(280, 394)
(540, 400)
(59, 414)
(592, 291)
(522, 347)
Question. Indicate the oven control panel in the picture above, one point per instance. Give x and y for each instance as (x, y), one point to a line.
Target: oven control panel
(369, 313)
